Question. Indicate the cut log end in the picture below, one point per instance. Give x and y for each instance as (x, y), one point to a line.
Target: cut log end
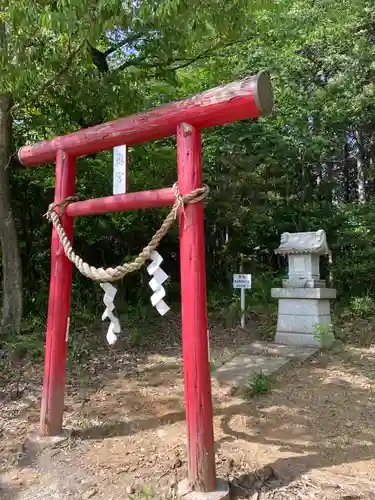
(263, 95)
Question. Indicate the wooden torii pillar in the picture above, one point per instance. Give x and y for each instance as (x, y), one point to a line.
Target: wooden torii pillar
(251, 97)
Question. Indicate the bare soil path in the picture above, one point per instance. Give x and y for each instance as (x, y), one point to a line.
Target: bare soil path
(312, 436)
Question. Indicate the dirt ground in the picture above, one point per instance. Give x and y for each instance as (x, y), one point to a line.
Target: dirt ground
(311, 437)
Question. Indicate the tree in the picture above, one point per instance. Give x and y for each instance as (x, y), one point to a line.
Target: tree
(80, 63)
(59, 59)
(12, 276)
(298, 169)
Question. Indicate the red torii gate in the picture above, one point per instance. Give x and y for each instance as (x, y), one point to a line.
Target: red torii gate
(247, 98)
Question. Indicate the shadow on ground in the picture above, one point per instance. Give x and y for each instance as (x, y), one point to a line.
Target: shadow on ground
(6, 493)
(315, 421)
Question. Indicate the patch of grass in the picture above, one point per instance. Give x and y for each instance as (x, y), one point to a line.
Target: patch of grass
(324, 334)
(146, 493)
(27, 345)
(260, 383)
(138, 337)
(359, 307)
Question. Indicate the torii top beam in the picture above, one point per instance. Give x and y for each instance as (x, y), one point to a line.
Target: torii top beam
(248, 98)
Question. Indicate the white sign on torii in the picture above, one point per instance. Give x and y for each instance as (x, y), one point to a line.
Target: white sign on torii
(120, 169)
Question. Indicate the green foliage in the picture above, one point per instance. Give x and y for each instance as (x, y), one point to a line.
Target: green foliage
(138, 337)
(359, 307)
(363, 306)
(145, 493)
(324, 334)
(260, 384)
(296, 170)
(28, 346)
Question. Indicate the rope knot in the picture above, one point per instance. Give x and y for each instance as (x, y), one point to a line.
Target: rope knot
(61, 205)
(194, 196)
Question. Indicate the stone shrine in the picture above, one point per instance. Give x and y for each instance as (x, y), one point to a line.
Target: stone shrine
(304, 301)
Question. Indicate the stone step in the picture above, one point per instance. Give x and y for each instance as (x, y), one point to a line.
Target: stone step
(257, 358)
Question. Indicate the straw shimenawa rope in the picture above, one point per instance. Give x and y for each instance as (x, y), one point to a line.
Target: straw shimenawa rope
(114, 274)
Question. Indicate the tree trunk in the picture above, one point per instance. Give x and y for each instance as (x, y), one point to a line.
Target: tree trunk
(372, 153)
(360, 157)
(12, 270)
(329, 187)
(346, 173)
(371, 166)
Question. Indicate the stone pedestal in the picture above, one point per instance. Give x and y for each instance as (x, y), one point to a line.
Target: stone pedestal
(304, 301)
(302, 312)
(221, 493)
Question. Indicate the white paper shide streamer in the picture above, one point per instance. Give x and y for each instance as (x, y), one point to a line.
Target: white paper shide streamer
(156, 283)
(108, 299)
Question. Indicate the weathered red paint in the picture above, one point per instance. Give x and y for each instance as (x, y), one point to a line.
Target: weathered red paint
(120, 202)
(58, 308)
(198, 401)
(247, 98)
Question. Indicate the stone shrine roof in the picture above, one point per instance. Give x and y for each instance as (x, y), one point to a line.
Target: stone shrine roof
(302, 243)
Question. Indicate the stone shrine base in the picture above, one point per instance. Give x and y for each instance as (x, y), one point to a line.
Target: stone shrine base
(303, 312)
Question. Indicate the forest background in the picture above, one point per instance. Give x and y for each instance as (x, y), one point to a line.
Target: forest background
(70, 64)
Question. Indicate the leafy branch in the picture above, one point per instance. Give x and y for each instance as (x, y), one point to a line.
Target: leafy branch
(174, 64)
(51, 81)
